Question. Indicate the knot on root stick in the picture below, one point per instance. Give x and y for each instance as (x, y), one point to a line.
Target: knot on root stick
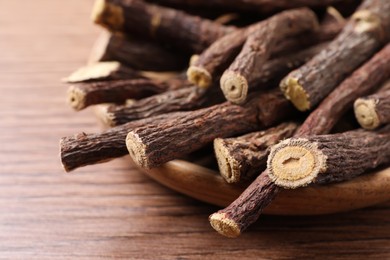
(234, 87)
(295, 163)
(199, 76)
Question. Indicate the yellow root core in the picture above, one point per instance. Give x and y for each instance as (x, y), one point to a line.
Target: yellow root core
(76, 98)
(137, 150)
(234, 87)
(228, 167)
(199, 76)
(108, 15)
(294, 91)
(366, 114)
(224, 225)
(295, 162)
(366, 21)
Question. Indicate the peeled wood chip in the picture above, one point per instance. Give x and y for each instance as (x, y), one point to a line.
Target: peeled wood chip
(93, 71)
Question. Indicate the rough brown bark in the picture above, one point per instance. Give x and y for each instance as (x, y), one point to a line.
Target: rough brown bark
(261, 6)
(270, 72)
(83, 95)
(216, 58)
(136, 53)
(363, 81)
(259, 46)
(155, 144)
(246, 209)
(185, 99)
(374, 110)
(364, 34)
(241, 158)
(100, 71)
(84, 149)
(169, 26)
(322, 159)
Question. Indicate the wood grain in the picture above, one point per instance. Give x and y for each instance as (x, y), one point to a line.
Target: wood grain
(113, 210)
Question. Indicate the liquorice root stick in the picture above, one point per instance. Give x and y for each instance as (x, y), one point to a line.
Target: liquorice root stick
(83, 95)
(166, 25)
(258, 48)
(136, 53)
(241, 158)
(246, 209)
(216, 58)
(184, 99)
(109, 70)
(364, 34)
(322, 159)
(154, 144)
(261, 6)
(262, 76)
(374, 110)
(85, 149)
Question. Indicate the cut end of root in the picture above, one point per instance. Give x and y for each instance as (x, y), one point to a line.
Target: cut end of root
(66, 167)
(296, 93)
(365, 113)
(199, 76)
(295, 163)
(107, 15)
(76, 98)
(234, 87)
(194, 58)
(102, 112)
(94, 71)
(229, 168)
(224, 226)
(366, 21)
(137, 150)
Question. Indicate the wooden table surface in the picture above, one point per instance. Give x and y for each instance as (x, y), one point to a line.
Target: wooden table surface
(112, 210)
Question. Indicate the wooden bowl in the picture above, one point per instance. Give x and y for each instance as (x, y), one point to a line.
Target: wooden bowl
(208, 186)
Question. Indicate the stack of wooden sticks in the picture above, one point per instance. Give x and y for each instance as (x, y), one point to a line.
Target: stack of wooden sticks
(183, 74)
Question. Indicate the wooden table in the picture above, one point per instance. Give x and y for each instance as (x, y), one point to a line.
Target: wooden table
(113, 210)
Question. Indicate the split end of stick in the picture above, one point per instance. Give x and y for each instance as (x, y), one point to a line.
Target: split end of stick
(366, 114)
(107, 15)
(234, 87)
(294, 92)
(228, 166)
(199, 76)
(224, 225)
(137, 150)
(295, 162)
